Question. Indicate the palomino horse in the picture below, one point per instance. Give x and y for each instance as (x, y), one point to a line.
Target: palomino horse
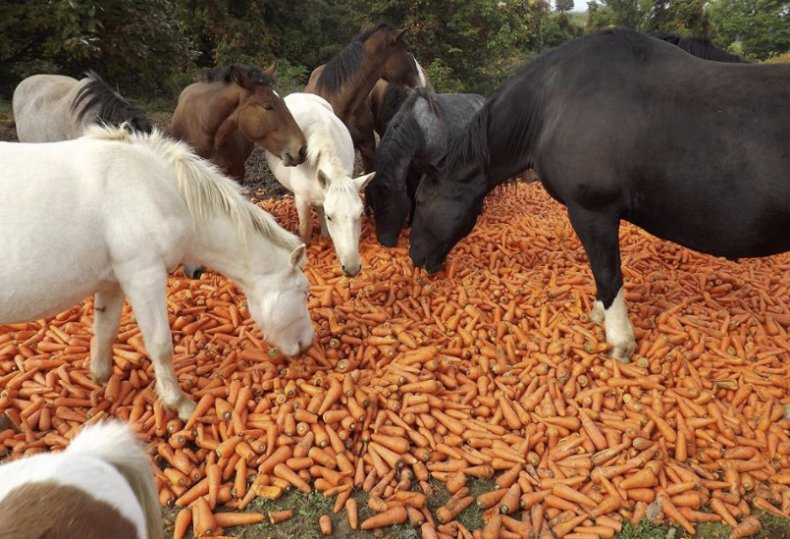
(324, 180)
(417, 137)
(346, 80)
(145, 204)
(620, 125)
(102, 485)
(49, 108)
(229, 111)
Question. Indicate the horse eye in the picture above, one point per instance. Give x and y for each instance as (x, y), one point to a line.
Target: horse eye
(268, 106)
(328, 218)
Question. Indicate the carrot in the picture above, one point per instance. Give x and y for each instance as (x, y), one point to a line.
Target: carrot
(182, 523)
(351, 510)
(228, 520)
(393, 515)
(203, 521)
(325, 525)
(746, 528)
(275, 517)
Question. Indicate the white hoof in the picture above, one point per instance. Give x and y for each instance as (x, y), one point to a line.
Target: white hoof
(100, 373)
(619, 332)
(184, 409)
(597, 313)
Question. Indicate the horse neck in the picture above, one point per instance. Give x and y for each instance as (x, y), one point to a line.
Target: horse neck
(397, 150)
(357, 87)
(218, 244)
(221, 104)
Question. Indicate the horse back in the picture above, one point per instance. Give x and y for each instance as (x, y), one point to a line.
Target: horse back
(42, 108)
(629, 125)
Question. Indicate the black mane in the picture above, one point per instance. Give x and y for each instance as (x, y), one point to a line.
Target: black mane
(112, 108)
(394, 97)
(347, 62)
(227, 74)
(701, 48)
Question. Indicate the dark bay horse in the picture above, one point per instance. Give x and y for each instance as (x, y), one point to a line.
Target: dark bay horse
(416, 137)
(620, 125)
(51, 108)
(381, 52)
(230, 110)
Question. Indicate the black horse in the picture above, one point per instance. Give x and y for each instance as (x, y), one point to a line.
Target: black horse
(620, 125)
(415, 137)
(701, 48)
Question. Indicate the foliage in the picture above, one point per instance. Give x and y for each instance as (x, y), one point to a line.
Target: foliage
(761, 27)
(153, 48)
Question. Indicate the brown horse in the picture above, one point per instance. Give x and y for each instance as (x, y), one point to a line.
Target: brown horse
(229, 111)
(346, 80)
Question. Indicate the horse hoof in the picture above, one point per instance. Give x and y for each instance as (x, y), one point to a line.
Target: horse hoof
(597, 313)
(623, 352)
(100, 377)
(185, 410)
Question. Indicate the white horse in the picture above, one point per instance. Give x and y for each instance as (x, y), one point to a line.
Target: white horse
(324, 180)
(102, 485)
(49, 108)
(111, 213)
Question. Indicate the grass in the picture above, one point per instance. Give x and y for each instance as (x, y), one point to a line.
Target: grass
(308, 508)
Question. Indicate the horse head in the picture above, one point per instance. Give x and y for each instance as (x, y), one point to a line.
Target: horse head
(446, 211)
(277, 303)
(264, 118)
(343, 213)
(388, 44)
(389, 200)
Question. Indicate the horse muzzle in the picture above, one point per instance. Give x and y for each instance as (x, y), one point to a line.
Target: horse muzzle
(291, 160)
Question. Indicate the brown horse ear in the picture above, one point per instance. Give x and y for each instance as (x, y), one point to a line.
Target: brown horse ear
(272, 70)
(240, 77)
(399, 36)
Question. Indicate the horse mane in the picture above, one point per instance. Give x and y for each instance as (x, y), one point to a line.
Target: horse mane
(347, 63)
(322, 153)
(701, 48)
(399, 138)
(394, 97)
(113, 109)
(226, 74)
(204, 188)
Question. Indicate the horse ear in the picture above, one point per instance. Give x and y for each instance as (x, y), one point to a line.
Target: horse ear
(298, 257)
(362, 181)
(323, 181)
(399, 36)
(272, 70)
(240, 77)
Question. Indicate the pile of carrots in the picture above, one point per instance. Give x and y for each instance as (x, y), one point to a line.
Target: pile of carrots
(490, 369)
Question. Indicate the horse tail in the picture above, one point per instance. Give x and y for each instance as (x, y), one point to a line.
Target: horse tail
(115, 443)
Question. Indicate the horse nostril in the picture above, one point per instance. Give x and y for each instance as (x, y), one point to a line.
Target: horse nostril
(303, 152)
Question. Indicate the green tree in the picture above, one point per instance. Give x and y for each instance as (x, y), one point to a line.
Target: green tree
(564, 5)
(633, 14)
(759, 28)
(680, 17)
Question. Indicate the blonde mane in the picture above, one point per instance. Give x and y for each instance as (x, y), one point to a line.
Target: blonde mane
(204, 188)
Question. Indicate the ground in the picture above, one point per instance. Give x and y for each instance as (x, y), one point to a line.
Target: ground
(308, 508)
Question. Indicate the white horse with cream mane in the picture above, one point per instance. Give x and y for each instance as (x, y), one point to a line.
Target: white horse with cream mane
(102, 485)
(110, 214)
(324, 180)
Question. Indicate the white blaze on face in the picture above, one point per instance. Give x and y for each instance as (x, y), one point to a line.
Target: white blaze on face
(280, 310)
(619, 332)
(343, 211)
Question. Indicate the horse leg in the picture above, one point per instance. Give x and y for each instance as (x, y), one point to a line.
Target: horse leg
(146, 290)
(322, 221)
(305, 224)
(599, 236)
(107, 306)
(193, 271)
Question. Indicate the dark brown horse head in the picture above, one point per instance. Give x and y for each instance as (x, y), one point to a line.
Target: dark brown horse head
(389, 44)
(263, 116)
